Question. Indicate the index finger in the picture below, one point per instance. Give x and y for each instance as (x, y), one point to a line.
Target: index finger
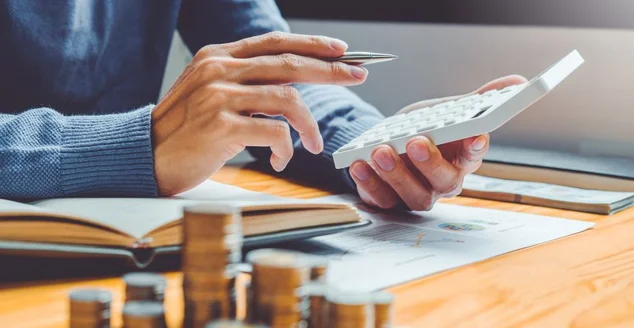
(276, 43)
(291, 68)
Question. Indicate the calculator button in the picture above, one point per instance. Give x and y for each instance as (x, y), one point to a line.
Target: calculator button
(490, 93)
(427, 127)
(397, 135)
(415, 116)
(449, 121)
(468, 98)
(347, 147)
(373, 142)
(418, 111)
(443, 104)
(392, 119)
(409, 124)
(395, 126)
(447, 113)
(457, 108)
(381, 135)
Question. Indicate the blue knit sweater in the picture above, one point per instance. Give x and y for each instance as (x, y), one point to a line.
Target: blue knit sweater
(78, 80)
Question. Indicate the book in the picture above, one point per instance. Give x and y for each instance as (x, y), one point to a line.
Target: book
(559, 168)
(127, 226)
(547, 195)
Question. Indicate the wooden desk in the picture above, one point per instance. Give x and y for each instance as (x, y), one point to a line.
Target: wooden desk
(586, 280)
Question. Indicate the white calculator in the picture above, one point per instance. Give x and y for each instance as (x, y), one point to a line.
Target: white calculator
(455, 120)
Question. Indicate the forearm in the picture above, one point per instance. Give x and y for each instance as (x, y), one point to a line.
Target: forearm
(44, 154)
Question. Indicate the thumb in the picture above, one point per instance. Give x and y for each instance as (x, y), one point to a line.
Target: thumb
(499, 83)
(502, 83)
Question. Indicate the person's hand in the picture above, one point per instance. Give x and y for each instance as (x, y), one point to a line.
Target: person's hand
(205, 119)
(425, 173)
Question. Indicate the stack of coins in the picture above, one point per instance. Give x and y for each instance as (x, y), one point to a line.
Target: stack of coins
(90, 308)
(140, 286)
(318, 313)
(350, 309)
(212, 241)
(249, 303)
(143, 314)
(382, 309)
(276, 281)
(319, 266)
(232, 324)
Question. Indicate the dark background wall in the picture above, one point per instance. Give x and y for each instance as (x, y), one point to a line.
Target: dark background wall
(570, 13)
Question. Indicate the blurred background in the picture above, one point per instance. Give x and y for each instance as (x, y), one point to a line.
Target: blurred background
(453, 46)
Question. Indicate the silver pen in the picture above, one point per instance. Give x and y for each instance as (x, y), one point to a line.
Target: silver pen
(363, 58)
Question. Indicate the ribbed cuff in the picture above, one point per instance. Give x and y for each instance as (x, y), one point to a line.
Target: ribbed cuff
(108, 155)
(346, 134)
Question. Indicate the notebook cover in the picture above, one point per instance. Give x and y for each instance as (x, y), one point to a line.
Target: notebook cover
(615, 167)
(141, 258)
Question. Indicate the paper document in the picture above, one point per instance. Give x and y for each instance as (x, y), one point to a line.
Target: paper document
(545, 194)
(398, 249)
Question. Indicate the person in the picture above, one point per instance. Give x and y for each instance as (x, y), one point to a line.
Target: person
(80, 79)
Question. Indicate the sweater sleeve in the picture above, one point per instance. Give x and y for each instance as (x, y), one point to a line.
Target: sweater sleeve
(44, 154)
(340, 113)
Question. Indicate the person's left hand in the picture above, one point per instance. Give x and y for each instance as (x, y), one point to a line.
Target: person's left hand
(425, 173)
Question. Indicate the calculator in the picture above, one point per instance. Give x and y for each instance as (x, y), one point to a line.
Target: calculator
(457, 119)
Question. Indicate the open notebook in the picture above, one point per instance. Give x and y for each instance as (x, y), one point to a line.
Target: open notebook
(131, 226)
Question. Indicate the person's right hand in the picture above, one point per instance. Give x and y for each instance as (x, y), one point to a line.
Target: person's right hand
(205, 118)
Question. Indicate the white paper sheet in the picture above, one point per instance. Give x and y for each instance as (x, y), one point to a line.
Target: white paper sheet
(398, 249)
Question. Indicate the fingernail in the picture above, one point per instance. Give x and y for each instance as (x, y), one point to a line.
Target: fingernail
(479, 143)
(319, 144)
(361, 172)
(278, 164)
(418, 151)
(384, 159)
(358, 72)
(338, 44)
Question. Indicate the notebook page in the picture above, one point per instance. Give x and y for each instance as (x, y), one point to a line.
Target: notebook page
(11, 208)
(138, 216)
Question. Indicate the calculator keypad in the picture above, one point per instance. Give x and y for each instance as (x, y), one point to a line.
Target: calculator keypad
(407, 125)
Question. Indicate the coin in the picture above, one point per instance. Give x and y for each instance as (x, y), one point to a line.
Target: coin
(211, 219)
(250, 313)
(317, 315)
(350, 309)
(232, 324)
(200, 312)
(90, 308)
(319, 266)
(143, 314)
(274, 269)
(208, 296)
(275, 286)
(382, 309)
(144, 286)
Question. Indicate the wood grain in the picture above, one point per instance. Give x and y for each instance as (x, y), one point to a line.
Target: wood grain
(585, 280)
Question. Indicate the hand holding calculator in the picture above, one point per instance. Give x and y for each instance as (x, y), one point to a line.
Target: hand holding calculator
(456, 120)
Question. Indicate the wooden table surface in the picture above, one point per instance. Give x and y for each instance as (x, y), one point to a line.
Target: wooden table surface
(585, 280)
